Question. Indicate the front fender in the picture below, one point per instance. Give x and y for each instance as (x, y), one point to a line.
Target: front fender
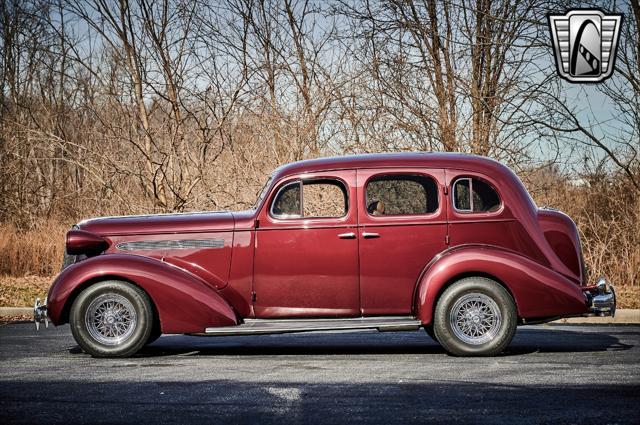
(185, 304)
(538, 291)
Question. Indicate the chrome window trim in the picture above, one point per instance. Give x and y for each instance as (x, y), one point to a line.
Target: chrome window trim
(275, 199)
(344, 188)
(471, 211)
(454, 197)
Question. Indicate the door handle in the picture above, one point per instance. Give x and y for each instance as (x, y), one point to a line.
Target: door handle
(349, 235)
(370, 235)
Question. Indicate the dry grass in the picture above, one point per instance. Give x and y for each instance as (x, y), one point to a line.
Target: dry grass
(36, 252)
(606, 210)
(628, 296)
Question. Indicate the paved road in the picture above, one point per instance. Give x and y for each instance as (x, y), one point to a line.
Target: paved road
(550, 374)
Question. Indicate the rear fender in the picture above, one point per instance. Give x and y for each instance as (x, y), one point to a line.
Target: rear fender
(185, 303)
(538, 291)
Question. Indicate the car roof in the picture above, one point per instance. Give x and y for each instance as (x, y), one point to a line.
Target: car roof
(460, 161)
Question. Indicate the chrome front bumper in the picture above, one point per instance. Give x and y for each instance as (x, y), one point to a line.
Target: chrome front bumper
(602, 298)
(40, 313)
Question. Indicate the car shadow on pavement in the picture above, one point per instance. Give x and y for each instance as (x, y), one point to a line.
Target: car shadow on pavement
(526, 341)
(294, 345)
(549, 340)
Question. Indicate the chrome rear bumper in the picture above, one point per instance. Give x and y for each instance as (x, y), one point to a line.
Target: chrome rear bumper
(40, 313)
(602, 299)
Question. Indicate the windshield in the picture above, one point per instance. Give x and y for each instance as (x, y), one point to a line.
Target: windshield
(262, 193)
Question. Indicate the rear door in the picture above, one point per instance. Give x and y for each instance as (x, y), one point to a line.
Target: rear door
(402, 226)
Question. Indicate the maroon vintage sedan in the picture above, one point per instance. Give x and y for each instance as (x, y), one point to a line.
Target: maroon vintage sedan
(448, 242)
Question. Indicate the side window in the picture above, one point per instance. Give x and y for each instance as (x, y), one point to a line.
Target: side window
(287, 203)
(324, 198)
(474, 195)
(318, 198)
(401, 194)
(462, 200)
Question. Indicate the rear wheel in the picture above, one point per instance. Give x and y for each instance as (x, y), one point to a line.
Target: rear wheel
(475, 316)
(112, 319)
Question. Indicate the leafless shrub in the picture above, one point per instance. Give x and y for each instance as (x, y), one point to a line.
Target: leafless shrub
(606, 210)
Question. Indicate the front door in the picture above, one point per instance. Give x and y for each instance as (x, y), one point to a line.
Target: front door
(402, 226)
(306, 252)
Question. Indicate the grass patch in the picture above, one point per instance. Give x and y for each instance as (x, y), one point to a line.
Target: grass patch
(22, 291)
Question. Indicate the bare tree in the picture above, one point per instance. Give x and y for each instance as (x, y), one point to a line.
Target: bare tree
(138, 105)
(590, 135)
(452, 76)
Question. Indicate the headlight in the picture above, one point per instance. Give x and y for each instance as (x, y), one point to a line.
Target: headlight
(70, 259)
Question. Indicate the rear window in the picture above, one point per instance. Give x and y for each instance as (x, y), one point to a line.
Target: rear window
(400, 194)
(474, 195)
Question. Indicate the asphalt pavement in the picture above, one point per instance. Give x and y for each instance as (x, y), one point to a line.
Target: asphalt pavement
(550, 374)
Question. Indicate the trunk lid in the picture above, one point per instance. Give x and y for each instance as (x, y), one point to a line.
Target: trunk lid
(562, 235)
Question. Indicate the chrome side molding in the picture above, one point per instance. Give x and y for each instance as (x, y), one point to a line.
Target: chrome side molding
(280, 326)
(40, 313)
(171, 244)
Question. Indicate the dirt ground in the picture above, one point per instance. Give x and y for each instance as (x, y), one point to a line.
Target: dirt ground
(22, 291)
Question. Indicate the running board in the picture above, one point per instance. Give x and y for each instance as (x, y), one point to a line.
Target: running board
(280, 326)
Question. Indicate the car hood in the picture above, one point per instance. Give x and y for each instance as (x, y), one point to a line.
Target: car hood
(159, 223)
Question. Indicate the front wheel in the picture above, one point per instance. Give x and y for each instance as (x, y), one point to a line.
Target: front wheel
(111, 319)
(475, 316)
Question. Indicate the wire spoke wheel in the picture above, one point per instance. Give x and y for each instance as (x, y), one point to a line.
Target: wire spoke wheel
(475, 318)
(111, 319)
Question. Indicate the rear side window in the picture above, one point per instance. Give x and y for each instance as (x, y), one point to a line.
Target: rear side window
(314, 198)
(474, 195)
(401, 194)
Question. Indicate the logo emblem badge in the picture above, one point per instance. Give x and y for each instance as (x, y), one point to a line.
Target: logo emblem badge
(585, 44)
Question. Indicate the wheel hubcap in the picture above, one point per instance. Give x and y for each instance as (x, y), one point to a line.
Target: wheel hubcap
(475, 319)
(111, 319)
